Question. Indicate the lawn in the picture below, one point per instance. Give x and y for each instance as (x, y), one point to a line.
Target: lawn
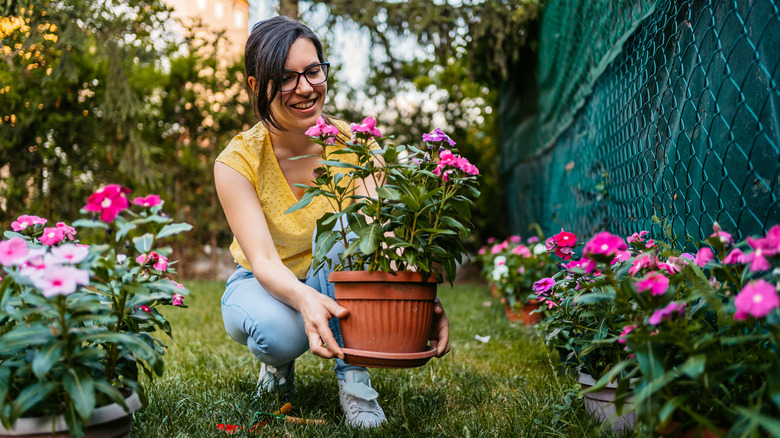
(507, 387)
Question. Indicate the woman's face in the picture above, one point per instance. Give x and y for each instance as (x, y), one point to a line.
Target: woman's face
(298, 109)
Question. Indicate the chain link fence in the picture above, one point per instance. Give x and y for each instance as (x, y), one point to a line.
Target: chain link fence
(665, 108)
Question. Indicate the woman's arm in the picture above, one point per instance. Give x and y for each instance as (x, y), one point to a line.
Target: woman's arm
(247, 221)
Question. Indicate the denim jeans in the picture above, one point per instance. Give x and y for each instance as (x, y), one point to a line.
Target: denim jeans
(272, 330)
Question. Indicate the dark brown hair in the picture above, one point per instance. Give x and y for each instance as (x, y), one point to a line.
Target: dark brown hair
(264, 58)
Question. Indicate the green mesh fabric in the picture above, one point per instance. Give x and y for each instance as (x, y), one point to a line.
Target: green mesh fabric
(667, 108)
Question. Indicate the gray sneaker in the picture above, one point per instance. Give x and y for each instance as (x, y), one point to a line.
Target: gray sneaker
(358, 399)
(281, 378)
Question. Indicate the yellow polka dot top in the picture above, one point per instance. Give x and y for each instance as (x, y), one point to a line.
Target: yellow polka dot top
(251, 154)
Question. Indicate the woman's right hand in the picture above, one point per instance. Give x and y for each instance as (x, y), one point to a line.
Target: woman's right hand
(316, 309)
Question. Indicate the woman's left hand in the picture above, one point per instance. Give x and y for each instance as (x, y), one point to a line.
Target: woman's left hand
(440, 331)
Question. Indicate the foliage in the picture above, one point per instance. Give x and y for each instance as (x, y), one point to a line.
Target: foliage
(698, 333)
(465, 56)
(512, 267)
(77, 321)
(421, 210)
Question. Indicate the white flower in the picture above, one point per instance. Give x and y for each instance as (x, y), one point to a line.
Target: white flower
(499, 260)
(539, 249)
(500, 272)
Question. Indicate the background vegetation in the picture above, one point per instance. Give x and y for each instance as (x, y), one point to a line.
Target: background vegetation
(96, 91)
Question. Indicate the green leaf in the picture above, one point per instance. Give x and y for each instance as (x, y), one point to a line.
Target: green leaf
(124, 228)
(30, 396)
(112, 393)
(81, 389)
(143, 243)
(75, 425)
(370, 238)
(694, 366)
(171, 229)
(388, 193)
(303, 202)
(772, 425)
(89, 223)
(46, 358)
(596, 297)
(25, 336)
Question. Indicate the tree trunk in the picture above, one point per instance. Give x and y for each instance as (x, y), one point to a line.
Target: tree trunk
(288, 8)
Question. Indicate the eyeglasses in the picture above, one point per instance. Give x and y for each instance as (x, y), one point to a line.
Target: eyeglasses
(315, 75)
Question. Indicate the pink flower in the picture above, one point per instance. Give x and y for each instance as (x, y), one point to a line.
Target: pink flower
(626, 330)
(704, 256)
(491, 240)
(544, 285)
(604, 244)
(675, 264)
(25, 221)
(757, 299)
(482, 251)
(70, 232)
(160, 261)
(666, 313)
(621, 256)
(522, 251)
(13, 251)
(69, 253)
(148, 201)
(655, 282)
(637, 237)
(515, 239)
(496, 249)
(773, 240)
(644, 261)
(549, 244)
(177, 299)
(533, 239)
(564, 252)
(108, 201)
(60, 280)
(323, 130)
(145, 309)
(52, 236)
(734, 257)
(36, 263)
(757, 258)
(437, 136)
(565, 238)
(368, 126)
(721, 235)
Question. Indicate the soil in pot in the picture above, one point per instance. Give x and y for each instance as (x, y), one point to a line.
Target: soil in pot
(110, 421)
(524, 314)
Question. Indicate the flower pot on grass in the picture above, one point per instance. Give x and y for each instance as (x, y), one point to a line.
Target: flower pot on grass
(525, 313)
(109, 421)
(601, 405)
(390, 317)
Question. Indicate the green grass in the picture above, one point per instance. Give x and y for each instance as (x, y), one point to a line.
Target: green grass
(507, 387)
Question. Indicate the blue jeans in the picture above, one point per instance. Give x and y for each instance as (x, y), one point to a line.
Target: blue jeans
(272, 330)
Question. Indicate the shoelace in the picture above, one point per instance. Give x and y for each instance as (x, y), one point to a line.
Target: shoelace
(359, 406)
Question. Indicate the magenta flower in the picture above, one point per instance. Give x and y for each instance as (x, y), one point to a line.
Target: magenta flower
(177, 299)
(704, 256)
(735, 257)
(52, 236)
(645, 261)
(437, 136)
(773, 241)
(522, 251)
(549, 244)
(108, 201)
(757, 258)
(13, 251)
(368, 127)
(621, 256)
(637, 237)
(655, 282)
(148, 201)
(756, 299)
(70, 232)
(544, 285)
(674, 265)
(626, 330)
(515, 239)
(666, 313)
(24, 221)
(69, 253)
(60, 280)
(605, 244)
(724, 237)
(327, 132)
(565, 238)
(564, 252)
(160, 261)
(482, 251)
(145, 309)
(533, 239)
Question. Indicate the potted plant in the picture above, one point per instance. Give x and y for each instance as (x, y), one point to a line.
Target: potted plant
(77, 320)
(512, 267)
(399, 244)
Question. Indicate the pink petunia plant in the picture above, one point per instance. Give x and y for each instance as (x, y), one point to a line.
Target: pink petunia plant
(757, 299)
(108, 201)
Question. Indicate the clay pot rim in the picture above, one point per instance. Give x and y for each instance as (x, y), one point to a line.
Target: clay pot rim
(380, 277)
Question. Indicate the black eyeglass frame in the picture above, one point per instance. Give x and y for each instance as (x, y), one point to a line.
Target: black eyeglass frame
(324, 65)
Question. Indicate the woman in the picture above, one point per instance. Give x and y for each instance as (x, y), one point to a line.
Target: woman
(274, 303)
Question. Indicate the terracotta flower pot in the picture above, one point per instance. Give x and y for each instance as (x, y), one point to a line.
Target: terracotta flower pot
(601, 405)
(524, 315)
(390, 317)
(110, 421)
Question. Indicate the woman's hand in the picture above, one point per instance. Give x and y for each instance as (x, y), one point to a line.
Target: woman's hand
(316, 310)
(440, 331)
